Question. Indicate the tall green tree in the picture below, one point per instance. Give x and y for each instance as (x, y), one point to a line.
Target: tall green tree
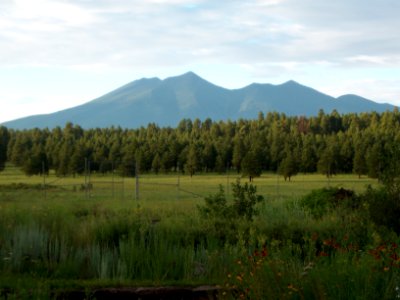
(239, 151)
(192, 161)
(288, 166)
(251, 165)
(328, 161)
(209, 156)
(156, 163)
(36, 163)
(308, 159)
(4, 139)
(359, 161)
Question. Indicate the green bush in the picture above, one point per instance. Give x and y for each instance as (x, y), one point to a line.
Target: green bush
(245, 199)
(384, 207)
(225, 217)
(320, 201)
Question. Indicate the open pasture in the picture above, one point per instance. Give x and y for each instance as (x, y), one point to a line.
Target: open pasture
(81, 233)
(162, 187)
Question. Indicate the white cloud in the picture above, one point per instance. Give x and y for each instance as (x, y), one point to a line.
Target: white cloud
(267, 40)
(383, 91)
(52, 13)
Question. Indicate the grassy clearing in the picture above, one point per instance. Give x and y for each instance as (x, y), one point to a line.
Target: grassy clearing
(65, 237)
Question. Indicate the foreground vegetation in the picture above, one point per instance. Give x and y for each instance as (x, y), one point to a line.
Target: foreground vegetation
(78, 223)
(315, 239)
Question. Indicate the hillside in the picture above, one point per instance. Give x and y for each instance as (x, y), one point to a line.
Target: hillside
(166, 102)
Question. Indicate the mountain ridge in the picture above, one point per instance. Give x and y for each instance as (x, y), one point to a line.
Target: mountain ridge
(166, 102)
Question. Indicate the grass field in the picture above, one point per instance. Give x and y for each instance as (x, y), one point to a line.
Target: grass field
(67, 237)
(173, 186)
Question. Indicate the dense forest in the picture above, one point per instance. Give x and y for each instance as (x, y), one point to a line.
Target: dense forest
(329, 143)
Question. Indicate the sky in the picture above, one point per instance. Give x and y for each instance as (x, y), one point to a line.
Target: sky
(56, 54)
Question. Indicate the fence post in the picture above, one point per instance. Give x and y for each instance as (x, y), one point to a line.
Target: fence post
(113, 171)
(44, 181)
(178, 185)
(137, 181)
(86, 181)
(89, 184)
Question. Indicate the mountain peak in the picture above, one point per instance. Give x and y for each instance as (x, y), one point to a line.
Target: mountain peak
(190, 74)
(168, 101)
(291, 83)
(187, 76)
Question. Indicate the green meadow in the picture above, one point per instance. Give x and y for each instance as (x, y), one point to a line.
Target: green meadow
(79, 233)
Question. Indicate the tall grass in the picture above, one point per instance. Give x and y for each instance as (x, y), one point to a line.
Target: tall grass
(285, 253)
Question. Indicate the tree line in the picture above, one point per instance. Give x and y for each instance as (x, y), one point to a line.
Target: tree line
(329, 143)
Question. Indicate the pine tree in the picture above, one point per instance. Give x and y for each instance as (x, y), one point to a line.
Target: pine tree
(4, 139)
(251, 165)
(288, 166)
(192, 160)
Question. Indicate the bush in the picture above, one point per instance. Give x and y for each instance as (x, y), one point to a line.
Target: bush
(244, 200)
(320, 201)
(226, 218)
(384, 207)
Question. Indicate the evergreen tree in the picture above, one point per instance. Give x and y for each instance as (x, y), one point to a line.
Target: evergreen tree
(4, 139)
(308, 154)
(156, 163)
(327, 163)
(359, 161)
(288, 166)
(209, 156)
(251, 165)
(239, 152)
(192, 160)
(36, 163)
(374, 160)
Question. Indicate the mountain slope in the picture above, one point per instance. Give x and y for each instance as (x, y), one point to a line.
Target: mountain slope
(168, 101)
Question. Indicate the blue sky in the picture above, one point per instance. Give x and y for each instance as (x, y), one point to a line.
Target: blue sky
(56, 54)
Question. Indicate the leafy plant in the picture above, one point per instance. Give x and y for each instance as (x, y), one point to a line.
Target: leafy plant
(245, 198)
(319, 202)
(226, 217)
(384, 207)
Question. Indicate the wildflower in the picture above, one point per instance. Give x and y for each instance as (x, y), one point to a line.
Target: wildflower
(264, 252)
(322, 253)
(395, 257)
(292, 287)
(381, 248)
(327, 242)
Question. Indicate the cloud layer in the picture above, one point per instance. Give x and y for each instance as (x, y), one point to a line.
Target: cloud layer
(264, 39)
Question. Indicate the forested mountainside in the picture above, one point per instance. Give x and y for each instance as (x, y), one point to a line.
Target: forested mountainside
(363, 143)
(188, 96)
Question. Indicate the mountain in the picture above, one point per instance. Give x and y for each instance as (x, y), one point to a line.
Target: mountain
(166, 102)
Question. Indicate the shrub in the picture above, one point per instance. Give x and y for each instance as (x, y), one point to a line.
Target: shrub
(245, 199)
(384, 207)
(320, 201)
(226, 218)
